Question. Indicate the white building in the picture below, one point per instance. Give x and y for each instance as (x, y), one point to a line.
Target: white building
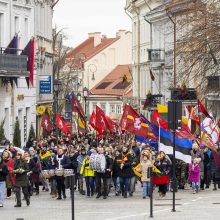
(148, 45)
(27, 19)
(16, 17)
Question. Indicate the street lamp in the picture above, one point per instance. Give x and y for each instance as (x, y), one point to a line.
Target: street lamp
(57, 87)
(79, 96)
(85, 95)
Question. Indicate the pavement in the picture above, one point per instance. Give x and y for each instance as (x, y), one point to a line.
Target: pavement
(203, 206)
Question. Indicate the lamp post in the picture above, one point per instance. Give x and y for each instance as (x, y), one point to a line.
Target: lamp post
(85, 96)
(91, 68)
(57, 87)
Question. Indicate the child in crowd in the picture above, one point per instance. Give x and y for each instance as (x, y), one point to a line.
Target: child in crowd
(194, 178)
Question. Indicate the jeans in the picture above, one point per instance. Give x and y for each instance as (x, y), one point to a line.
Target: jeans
(90, 184)
(2, 191)
(116, 181)
(124, 183)
(195, 185)
(146, 189)
(132, 183)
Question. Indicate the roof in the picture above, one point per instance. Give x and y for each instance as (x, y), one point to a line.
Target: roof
(113, 84)
(88, 50)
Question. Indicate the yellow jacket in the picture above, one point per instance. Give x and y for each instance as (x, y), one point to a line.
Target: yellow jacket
(43, 156)
(85, 169)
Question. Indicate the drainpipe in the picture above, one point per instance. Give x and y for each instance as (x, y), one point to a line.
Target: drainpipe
(151, 45)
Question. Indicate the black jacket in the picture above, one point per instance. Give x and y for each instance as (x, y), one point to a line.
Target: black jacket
(21, 180)
(127, 170)
(3, 172)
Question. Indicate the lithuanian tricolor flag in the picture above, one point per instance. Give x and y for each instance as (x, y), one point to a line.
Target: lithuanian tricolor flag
(81, 124)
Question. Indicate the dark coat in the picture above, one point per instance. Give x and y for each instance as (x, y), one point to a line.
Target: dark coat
(65, 162)
(127, 170)
(74, 162)
(215, 167)
(36, 173)
(3, 172)
(21, 180)
(164, 166)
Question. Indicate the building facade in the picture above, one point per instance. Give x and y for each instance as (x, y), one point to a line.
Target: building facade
(24, 20)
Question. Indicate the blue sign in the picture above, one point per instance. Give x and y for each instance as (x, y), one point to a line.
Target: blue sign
(45, 86)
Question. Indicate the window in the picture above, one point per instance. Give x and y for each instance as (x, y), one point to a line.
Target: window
(112, 108)
(103, 107)
(26, 29)
(16, 24)
(118, 109)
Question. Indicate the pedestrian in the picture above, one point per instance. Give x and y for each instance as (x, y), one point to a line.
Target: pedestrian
(35, 175)
(89, 175)
(145, 179)
(3, 173)
(21, 180)
(194, 174)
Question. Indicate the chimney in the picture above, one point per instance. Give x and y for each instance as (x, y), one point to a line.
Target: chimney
(97, 38)
(121, 33)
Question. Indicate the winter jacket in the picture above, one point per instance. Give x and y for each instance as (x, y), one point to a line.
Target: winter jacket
(144, 170)
(126, 170)
(21, 179)
(3, 172)
(80, 159)
(194, 173)
(164, 166)
(85, 168)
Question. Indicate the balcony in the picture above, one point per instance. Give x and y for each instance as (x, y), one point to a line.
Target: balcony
(156, 55)
(13, 65)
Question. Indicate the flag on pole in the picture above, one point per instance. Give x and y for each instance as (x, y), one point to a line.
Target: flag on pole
(61, 124)
(101, 121)
(12, 47)
(201, 109)
(162, 108)
(76, 107)
(152, 75)
(46, 123)
(183, 146)
(29, 52)
(81, 124)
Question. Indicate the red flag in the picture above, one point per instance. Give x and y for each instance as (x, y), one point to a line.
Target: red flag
(219, 124)
(136, 124)
(124, 118)
(61, 124)
(46, 123)
(76, 107)
(29, 52)
(92, 120)
(193, 115)
(207, 141)
(101, 121)
(112, 125)
(201, 109)
(156, 119)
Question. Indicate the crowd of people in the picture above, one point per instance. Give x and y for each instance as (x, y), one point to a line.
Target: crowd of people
(102, 166)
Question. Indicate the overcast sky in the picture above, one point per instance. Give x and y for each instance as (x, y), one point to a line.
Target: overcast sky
(81, 17)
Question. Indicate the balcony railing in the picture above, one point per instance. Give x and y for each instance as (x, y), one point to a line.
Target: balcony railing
(13, 64)
(156, 55)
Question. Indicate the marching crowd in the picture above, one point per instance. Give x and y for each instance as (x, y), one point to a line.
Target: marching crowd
(99, 167)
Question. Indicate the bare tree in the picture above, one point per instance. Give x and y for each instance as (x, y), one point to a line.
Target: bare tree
(198, 41)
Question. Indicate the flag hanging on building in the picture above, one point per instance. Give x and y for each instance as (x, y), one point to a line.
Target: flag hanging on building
(76, 107)
(61, 124)
(183, 146)
(152, 75)
(12, 47)
(29, 52)
(46, 123)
